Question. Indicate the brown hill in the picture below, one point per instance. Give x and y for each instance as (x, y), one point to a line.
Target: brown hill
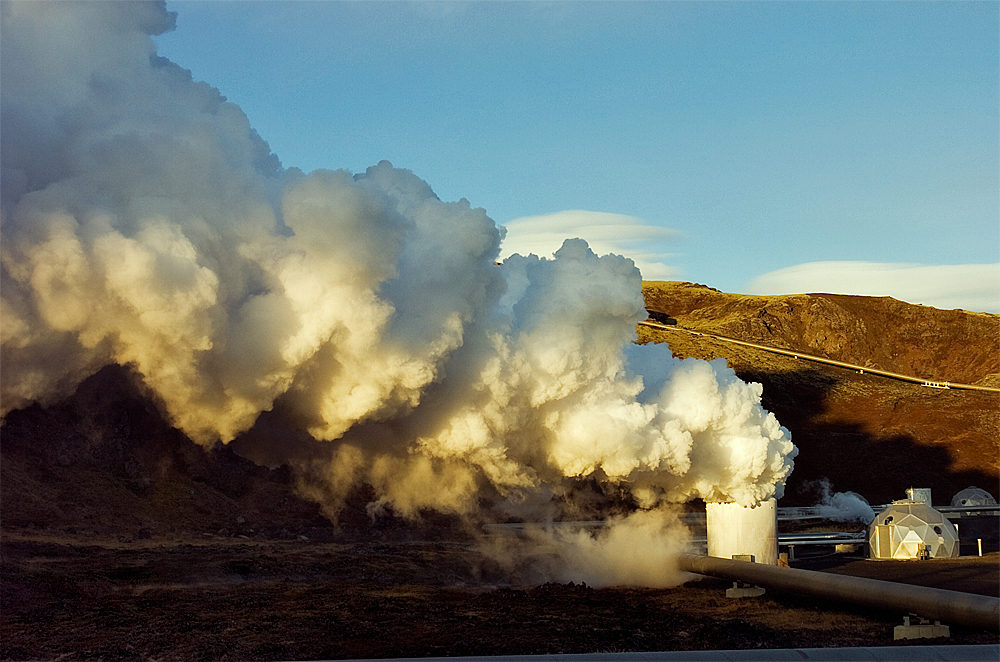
(865, 433)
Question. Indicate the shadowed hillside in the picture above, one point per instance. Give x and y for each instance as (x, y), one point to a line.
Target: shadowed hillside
(864, 433)
(105, 464)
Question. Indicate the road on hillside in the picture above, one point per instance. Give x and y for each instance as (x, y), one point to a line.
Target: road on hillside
(820, 359)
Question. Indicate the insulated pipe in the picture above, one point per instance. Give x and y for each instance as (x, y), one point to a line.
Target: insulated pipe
(820, 359)
(952, 607)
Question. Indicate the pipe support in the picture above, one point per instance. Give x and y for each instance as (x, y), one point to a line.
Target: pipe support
(954, 607)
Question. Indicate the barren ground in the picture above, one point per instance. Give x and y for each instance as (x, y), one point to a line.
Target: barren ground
(70, 598)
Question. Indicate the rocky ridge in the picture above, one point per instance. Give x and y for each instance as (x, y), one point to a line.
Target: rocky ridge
(864, 433)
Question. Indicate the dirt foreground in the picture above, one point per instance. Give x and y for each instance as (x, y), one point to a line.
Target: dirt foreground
(229, 599)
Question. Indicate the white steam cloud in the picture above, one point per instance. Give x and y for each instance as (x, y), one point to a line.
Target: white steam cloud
(145, 223)
(841, 506)
(637, 549)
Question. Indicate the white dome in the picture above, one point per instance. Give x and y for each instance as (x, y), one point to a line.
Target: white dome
(973, 496)
(906, 529)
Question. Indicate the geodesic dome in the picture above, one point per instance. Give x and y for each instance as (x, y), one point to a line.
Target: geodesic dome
(973, 496)
(911, 530)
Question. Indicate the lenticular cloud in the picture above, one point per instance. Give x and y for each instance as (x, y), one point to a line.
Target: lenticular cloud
(145, 223)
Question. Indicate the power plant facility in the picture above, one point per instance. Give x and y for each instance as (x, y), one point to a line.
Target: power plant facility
(742, 545)
(906, 529)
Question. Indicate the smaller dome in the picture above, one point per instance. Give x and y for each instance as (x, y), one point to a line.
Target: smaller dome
(973, 496)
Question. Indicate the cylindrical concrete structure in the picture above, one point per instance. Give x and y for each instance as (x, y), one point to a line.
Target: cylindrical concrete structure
(735, 530)
(950, 607)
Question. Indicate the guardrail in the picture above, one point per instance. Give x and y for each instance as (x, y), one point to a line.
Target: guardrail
(820, 359)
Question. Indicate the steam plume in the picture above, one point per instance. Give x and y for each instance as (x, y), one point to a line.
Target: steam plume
(145, 223)
(841, 506)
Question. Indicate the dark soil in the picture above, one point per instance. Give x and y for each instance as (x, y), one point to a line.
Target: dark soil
(215, 599)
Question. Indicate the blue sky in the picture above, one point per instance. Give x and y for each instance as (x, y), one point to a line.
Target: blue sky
(753, 147)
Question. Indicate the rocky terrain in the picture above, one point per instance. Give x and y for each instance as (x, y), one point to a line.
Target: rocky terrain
(863, 433)
(285, 600)
(944, 345)
(124, 540)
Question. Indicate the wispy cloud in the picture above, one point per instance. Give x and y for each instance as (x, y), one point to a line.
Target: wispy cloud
(605, 232)
(974, 287)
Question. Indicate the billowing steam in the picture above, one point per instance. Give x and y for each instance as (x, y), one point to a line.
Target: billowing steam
(145, 223)
(841, 506)
(638, 549)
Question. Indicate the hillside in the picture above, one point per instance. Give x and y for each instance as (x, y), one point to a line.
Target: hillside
(104, 464)
(864, 433)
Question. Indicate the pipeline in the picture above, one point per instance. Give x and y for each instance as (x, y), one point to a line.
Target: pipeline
(821, 359)
(952, 607)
